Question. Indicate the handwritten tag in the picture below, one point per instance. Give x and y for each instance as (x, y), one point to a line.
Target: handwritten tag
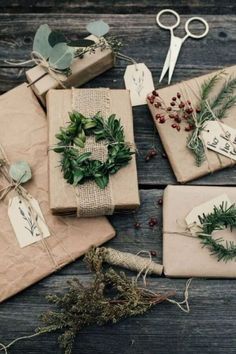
(27, 220)
(220, 138)
(192, 218)
(138, 79)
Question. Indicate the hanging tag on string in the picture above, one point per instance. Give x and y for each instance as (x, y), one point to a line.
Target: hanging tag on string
(220, 138)
(27, 220)
(138, 79)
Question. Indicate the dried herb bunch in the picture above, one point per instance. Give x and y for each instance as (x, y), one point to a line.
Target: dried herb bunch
(111, 297)
(77, 166)
(221, 217)
(194, 118)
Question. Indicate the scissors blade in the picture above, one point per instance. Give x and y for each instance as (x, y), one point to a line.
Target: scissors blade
(166, 66)
(176, 44)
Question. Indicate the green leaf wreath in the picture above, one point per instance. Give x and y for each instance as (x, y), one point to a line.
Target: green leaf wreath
(221, 218)
(78, 166)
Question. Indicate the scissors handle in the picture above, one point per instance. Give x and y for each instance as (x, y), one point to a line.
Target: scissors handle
(192, 35)
(170, 12)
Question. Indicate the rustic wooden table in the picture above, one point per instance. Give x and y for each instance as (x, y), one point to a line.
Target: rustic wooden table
(210, 327)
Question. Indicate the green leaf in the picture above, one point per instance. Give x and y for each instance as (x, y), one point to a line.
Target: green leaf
(83, 157)
(102, 182)
(58, 149)
(55, 38)
(98, 28)
(90, 123)
(41, 43)
(61, 56)
(79, 142)
(20, 172)
(81, 43)
(78, 176)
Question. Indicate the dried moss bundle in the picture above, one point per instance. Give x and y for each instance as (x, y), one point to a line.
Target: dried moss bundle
(111, 297)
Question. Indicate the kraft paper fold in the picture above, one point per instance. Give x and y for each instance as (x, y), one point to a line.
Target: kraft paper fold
(124, 183)
(183, 256)
(83, 70)
(180, 157)
(23, 135)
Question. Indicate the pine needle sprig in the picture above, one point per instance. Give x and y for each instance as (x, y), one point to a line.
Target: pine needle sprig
(110, 297)
(210, 110)
(226, 91)
(221, 218)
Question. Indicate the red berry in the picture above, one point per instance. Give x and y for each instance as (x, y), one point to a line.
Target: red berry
(187, 129)
(164, 155)
(178, 127)
(160, 201)
(198, 110)
(174, 125)
(181, 105)
(178, 119)
(155, 93)
(169, 109)
(152, 222)
(137, 225)
(158, 116)
(162, 120)
(188, 102)
(153, 253)
(178, 95)
(153, 152)
(173, 98)
(171, 115)
(172, 103)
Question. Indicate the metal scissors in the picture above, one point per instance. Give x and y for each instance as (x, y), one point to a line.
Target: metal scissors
(176, 42)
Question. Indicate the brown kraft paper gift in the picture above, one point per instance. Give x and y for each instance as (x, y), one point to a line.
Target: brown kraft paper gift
(83, 70)
(23, 135)
(184, 256)
(174, 142)
(123, 184)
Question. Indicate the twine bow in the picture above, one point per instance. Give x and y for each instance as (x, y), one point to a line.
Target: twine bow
(38, 59)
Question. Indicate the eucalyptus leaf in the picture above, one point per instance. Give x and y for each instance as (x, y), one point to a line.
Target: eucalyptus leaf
(61, 56)
(20, 172)
(41, 44)
(56, 37)
(98, 28)
(81, 43)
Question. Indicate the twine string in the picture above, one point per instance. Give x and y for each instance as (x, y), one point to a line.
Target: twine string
(38, 59)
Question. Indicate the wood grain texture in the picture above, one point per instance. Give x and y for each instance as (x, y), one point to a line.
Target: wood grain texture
(210, 327)
(117, 7)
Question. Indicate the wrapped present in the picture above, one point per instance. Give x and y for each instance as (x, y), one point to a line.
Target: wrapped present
(82, 70)
(197, 240)
(88, 199)
(191, 118)
(23, 136)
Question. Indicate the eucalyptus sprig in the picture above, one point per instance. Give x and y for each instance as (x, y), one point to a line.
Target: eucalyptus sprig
(222, 217)
(78, 166)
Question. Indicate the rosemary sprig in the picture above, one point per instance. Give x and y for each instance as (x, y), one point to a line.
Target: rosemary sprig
(78, 166)
(221, 218)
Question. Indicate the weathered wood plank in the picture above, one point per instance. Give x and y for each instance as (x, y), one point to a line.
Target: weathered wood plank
(142, 39)
(209, 328)
(121, 6)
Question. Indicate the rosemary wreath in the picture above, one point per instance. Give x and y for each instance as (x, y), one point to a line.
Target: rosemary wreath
(77, 166)
(221, 218)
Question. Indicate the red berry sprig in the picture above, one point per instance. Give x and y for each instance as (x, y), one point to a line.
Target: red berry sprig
(178, 110)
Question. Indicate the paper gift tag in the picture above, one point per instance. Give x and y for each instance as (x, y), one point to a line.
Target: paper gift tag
(27, 220)
(192, 218)
(220, 138)
(138, 79)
